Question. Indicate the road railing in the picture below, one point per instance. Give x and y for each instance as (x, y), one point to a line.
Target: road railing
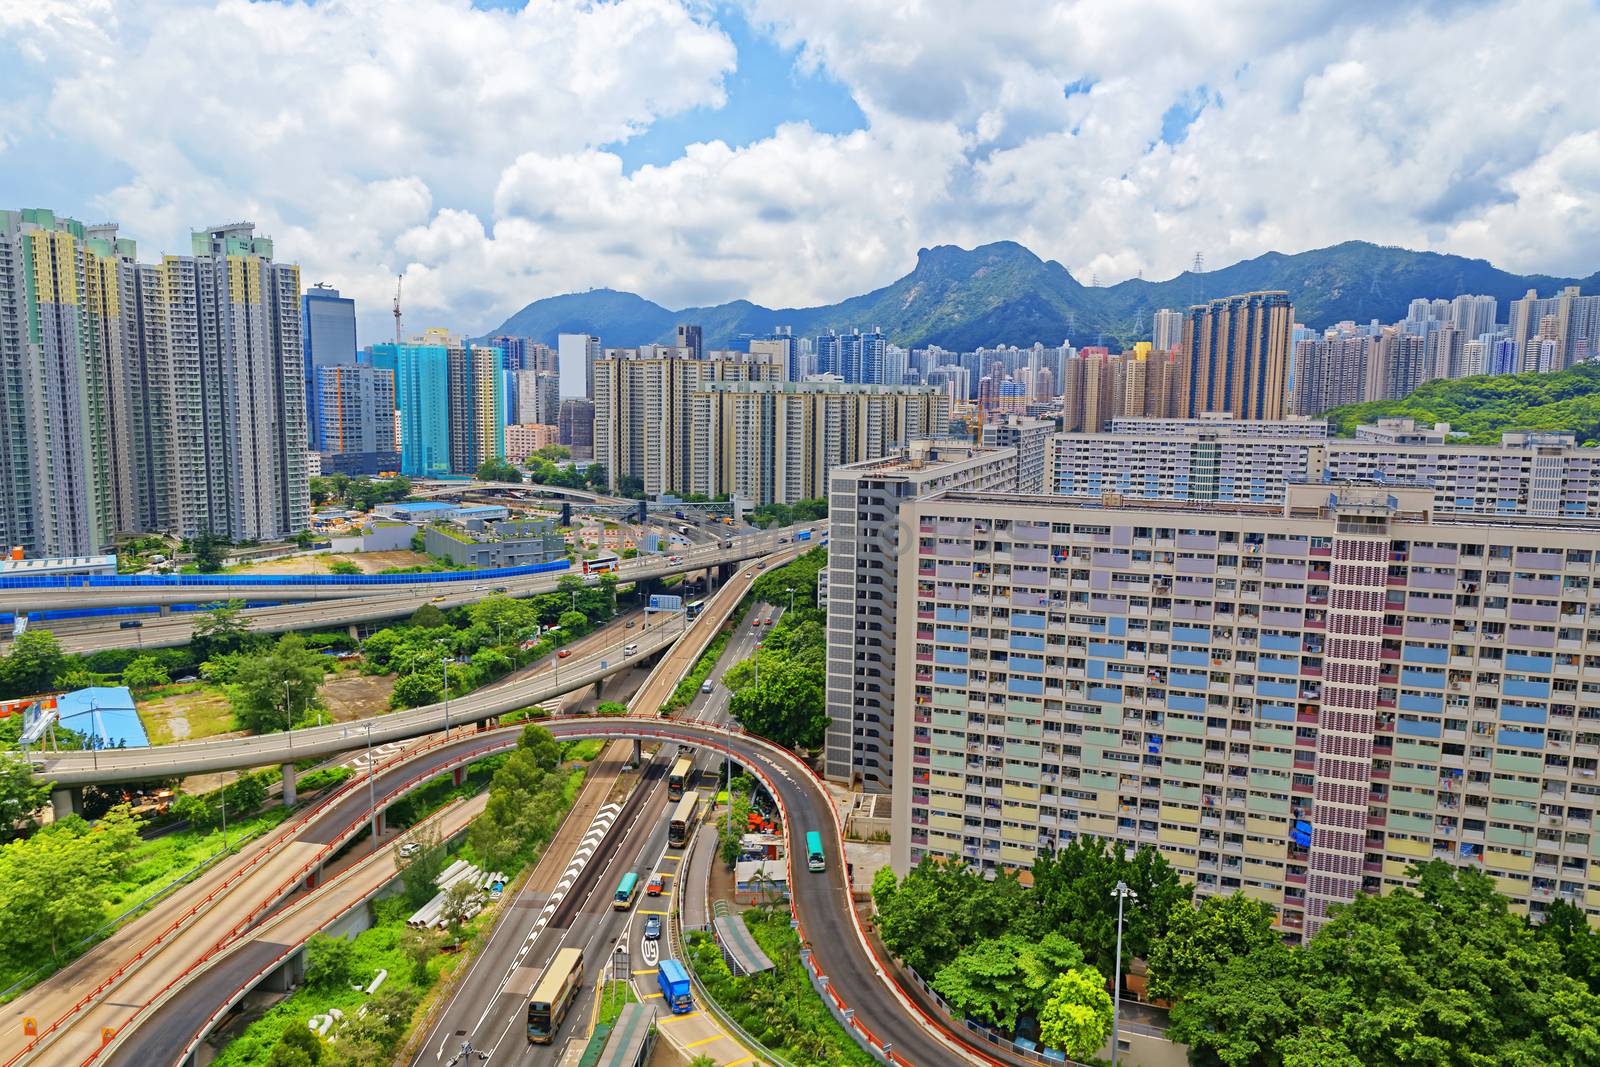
(181, 980)
(286, 833)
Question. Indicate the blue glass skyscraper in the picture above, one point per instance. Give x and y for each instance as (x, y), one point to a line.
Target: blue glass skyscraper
(329, 326)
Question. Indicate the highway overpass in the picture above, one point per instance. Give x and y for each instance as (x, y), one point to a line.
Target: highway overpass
(62, 593)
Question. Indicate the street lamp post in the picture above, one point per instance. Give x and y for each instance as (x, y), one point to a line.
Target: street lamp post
(372, 802)
(1122, 893)
(444, 671)
(288, 711)
(223, 792)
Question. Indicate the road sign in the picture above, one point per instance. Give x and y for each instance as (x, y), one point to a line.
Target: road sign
(664, 602)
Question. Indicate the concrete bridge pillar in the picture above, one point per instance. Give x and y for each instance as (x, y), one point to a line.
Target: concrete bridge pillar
(458, 775)
(638, 752)
(355, 633)
(290, 974)
(66, 800)
(726, 572)
(288, 785)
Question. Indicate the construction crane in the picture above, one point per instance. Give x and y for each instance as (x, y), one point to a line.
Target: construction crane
(398, 279)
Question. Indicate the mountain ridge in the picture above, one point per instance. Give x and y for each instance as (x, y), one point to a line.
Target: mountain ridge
(1004, 293)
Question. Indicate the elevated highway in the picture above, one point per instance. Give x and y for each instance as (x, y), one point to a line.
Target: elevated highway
(76, 591)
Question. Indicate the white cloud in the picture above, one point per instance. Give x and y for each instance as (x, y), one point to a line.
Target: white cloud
(465, 147)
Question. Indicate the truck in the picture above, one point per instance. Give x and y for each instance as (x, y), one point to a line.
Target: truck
(674, 983)
(803, 535)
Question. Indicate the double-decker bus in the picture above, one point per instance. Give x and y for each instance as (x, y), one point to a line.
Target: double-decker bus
(814, 858)
(683, 819)
(557, 989)
(694, 608)
(626, 891)
(604, 563)
(678, 778)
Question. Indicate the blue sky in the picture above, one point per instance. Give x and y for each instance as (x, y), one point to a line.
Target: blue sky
(765, 91)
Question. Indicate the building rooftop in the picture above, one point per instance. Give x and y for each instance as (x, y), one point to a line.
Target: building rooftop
(57, 564)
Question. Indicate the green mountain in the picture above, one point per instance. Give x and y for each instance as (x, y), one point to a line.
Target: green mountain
(1002, 293)
(1565, 401)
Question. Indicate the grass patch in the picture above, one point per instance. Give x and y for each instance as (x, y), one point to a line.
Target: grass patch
(686, 689)
(778, 1008)
(185, 712)
(583, 751)
(613, 998)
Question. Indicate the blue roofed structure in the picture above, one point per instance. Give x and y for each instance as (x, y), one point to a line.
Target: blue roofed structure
(105, 714)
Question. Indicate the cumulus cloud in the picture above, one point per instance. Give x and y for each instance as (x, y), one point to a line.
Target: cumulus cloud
(467, 148)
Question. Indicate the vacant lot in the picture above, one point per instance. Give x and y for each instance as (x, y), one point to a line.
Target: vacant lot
(185, 712)
(355, 696)
(322, 563)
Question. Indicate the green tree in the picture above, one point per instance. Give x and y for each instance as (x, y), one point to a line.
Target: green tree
(428, 617)
(1579, 942)
(1076, 1017)
(273, 687)
(35, 662)
(303, 539)
(788, 707)
(1073, 893)
(59, 881)
(998, 978)
(321, 490)
(611, 708)
(198, 812)
(1442, 973)
(210, 550)
(20, 794)
(573, 624)
(498, 470)
(144, 674)
(330, 962)
(76, 678)
(594, 476)
(420, 871)
(461, 902)
(297, 1046)
(221, 629)
(1204, 937)
(416, 690)
(421, 947)
(544, 751)
(343, 566)
(247, 792)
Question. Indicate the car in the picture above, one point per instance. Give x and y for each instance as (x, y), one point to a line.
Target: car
(500, 589)
(652, 888)
(564, 653)
(761, 565)
(706, 686)
(628, 650)
(131, 624)
(437, 600)
(409, 849)
(629, 626)
(674, 560)
(783, 540)
(652, 928)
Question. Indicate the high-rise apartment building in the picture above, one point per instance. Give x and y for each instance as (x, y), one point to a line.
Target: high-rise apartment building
(238, 372)
(1526, 474)
(856, 357)
(642, 400)
(1236, 354)
(1166, 330)
(576, 353)
(1293, 702)
(524, 440)
(421, 369)
(477, 406)
(575, 423)
(776, 442)
(691, 338)
(356, 406)
(1030, 438)
(532, 396)
(1569, 319)
(784, 346)
(330, 341)
(61, 355)
(525, 354)
(1331, 370)
(867, 537)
